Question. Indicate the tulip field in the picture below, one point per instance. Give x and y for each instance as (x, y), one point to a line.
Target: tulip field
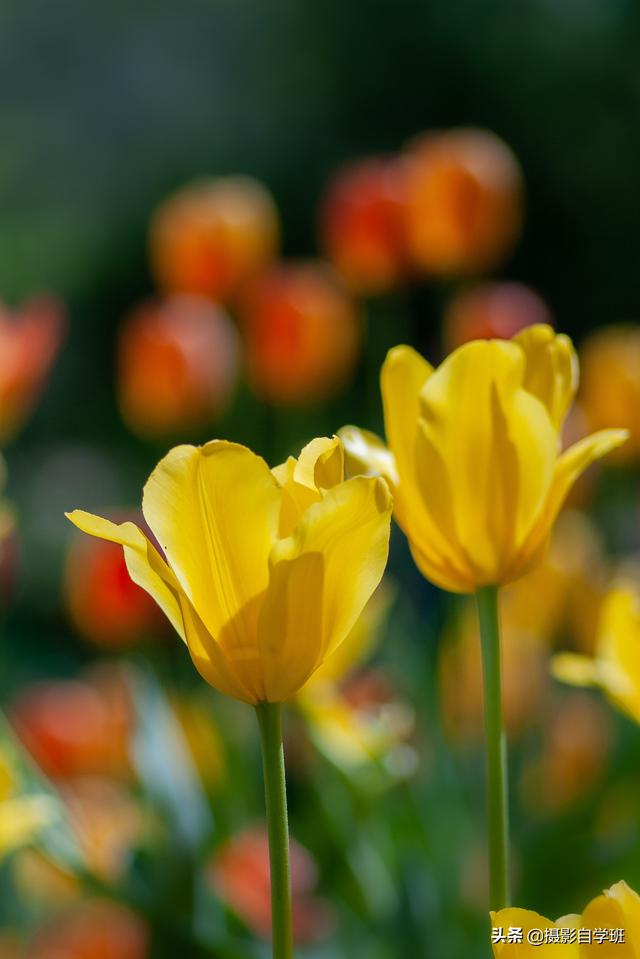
(319, 455)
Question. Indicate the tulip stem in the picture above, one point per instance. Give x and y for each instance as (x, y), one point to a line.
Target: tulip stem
(496, 746)
(270, 722)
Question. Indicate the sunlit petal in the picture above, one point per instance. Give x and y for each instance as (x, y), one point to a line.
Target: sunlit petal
(146, 566)
(214, 510)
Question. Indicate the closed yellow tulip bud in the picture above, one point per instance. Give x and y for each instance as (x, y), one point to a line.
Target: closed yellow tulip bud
(474, 453)
(262, 572)
(609, 926)
(616, 664)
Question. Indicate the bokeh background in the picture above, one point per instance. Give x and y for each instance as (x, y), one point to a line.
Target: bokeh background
(107, 110)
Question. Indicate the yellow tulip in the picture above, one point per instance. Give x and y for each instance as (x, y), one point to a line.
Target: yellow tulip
(595, 933)
(262, 572)
(474, 453)
(615, 668)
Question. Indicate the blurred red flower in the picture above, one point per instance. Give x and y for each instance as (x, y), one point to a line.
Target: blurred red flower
(240, 876)
(29, 341)
(177, 365)
(302, 334)
(210, 237)
(361, 224)
(103, 602)
(492, 311)
(95, 929)
(463, 201)
(71, 727)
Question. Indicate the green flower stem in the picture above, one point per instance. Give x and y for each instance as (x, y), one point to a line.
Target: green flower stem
(270, 722)
(497, 786)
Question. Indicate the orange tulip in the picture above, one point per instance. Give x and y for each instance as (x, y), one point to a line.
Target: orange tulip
(525, 681)
(302, 334)
(610, 383)
(29, 341)
(203, 738)
(210, 237)
(107, 822)
(491, 311)
(177, 365)
(103, 602)
(72, 727)
(10, 947)
(95, 929)
(576, 744)
(463, 201)
(361, 224)
(240, 875)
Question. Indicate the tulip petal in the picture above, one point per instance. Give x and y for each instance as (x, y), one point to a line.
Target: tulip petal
(618, 634)
(404, 374)
(616, 669)
(526, 920)
(437, 571)
(320, 465)
(241, 679)
(629, 902)
(347, 530)
(575, 669)
(551, 368)
(367, 455)
(146, 566)
(361, 639)
(569, 466)
(485, 452)
(214, 510)
(619, 908)
(291, 625)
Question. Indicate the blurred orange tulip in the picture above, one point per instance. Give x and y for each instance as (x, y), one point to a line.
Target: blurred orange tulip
(194, 714)
(572, 578)
(43, 882)
(29, 341)
(463, 201)
(490, 311)
(177, 365)
(103, 602)
(610, 383)
(361, 224)
(240, 875)
(72, 727)
(525, 681)
(10, 947)
(576, 742)
(210, 237)
(302, 334)
(95, 929)
(107, 821)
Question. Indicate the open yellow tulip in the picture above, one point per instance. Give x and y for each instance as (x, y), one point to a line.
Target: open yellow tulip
(474, 453)
(616, 664)
(609, 926)
(264, 572)
(475, 464)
